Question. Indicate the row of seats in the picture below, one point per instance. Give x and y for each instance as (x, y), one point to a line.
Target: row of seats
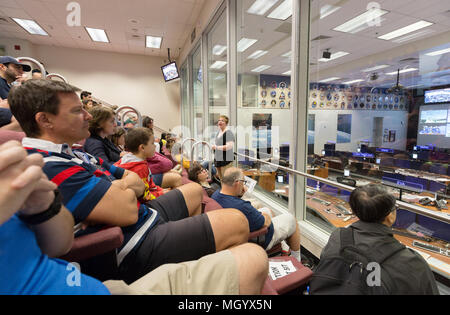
(99, 249)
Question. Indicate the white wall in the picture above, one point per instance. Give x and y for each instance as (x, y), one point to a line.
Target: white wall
(118, 79)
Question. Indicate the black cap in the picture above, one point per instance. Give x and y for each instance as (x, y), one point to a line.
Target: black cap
(9, 59)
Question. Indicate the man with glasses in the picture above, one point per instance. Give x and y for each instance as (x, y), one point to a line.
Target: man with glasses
(281, 227)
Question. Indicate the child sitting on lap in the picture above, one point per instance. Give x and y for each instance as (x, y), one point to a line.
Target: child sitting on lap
(140, 143)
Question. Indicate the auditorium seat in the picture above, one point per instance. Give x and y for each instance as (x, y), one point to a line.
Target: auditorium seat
(292, 281)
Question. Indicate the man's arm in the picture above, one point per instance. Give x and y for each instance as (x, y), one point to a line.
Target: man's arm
(134, 182)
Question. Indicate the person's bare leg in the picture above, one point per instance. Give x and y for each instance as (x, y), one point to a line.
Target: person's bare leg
(230, 228)
(294, 240)
(193, 196)
(253, 268)
(171, 180)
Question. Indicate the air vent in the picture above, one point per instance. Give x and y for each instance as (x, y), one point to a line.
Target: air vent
(321, 37)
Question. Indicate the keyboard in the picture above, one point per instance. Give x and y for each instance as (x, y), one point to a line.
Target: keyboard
(343, 210)
(326, 203)
(432, 248)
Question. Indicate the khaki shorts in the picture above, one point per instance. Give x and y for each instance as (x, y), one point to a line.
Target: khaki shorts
(284, 225)
(210, 275)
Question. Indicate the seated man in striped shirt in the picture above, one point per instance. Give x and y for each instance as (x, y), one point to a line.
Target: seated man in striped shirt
(169, 229)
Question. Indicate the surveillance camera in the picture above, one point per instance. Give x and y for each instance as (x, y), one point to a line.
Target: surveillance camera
(326, 55)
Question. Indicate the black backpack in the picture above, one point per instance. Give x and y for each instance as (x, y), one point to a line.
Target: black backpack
(347, 272)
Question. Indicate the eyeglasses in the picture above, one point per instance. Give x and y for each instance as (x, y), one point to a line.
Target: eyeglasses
(242, 180)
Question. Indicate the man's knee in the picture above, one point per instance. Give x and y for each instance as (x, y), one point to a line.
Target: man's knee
(239, 220)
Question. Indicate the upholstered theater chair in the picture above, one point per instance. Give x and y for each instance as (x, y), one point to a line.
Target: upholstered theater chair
(293, 281)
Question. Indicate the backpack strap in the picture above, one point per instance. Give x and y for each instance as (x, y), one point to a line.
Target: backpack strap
(347, 237)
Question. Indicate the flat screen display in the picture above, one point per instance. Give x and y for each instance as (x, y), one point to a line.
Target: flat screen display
(170, 71)
(437, 96)
(434, 126)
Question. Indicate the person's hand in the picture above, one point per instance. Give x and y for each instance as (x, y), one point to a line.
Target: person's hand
(20, 175)
(213, 147)
(4, 103)
(41, 198)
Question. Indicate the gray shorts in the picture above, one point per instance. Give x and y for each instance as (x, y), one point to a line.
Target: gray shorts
(175, 238)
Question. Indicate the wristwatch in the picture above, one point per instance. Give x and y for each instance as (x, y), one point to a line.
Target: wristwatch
(46, 215)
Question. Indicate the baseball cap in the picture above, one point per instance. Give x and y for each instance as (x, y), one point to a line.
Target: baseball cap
(9, 59)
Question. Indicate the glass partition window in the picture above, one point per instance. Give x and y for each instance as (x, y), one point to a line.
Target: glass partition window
(264, 115)
(197, 79)
(379, 111)
(184, 96)
(217, 72)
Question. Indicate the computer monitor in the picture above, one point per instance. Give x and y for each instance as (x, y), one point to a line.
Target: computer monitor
(170, 71)
(329, 146)
(415, 156)
(346, 173)
(378, 161)
(437, 187)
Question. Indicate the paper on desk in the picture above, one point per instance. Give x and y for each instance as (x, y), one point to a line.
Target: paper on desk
(280, 269)
(250, 183)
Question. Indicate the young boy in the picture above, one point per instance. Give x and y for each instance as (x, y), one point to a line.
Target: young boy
(140, 143)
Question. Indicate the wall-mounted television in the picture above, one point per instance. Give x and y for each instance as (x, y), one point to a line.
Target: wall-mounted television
(437, 96)
(170, 71)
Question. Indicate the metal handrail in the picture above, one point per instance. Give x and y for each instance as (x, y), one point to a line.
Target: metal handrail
(37, 63)
(182, 149)
(56, 75)
(210, 154)
(131, 108)
(406, 206)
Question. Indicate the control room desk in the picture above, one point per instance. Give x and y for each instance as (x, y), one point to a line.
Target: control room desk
(266, 180)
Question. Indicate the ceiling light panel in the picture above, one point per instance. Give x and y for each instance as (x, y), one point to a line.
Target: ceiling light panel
(329, 80)
(260, 7)
(153, 41)
(406, 30)
(257, 54)
(31, 26)
(261, 68)
(245, 43)
(328, 9)
(218, 65)
(97, 35)
(376, 68)
(438, 52)
(283, 11)
(219, 50)
(402, 71)
(354, 81)
(362, 21)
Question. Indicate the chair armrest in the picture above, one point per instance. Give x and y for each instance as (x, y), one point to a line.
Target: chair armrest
(87, 246)
(257, 233)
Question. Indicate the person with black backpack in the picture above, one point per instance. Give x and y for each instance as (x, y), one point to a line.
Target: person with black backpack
(366, 259)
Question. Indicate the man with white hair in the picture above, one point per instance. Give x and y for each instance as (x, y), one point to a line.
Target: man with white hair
(281, 227)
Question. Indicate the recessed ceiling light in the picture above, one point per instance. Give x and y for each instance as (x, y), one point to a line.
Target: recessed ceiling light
(257, 54)
(412, 36)
(153, 41)
(287, 55)
(219, 50)
(438, 52)
(353, 81)
(97, 35)
(376, 68)
(328, 9)
(329, 80)
(283, 11)
(287, 72)
(402, 71)
(335, 55)
(245, 43)
(361, 22)
(405, 30)
(31, 26)
(260, 7)
(261, 68)
(218, 65)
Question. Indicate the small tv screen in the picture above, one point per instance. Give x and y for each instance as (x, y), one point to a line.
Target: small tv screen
(170, 71)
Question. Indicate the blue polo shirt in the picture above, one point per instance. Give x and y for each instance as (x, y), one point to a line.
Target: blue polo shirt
(26, 270)
(5, 116)
(255, 218)
(83, 180)
(4, 88)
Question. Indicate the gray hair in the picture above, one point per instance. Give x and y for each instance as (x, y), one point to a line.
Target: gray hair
(231, 175)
